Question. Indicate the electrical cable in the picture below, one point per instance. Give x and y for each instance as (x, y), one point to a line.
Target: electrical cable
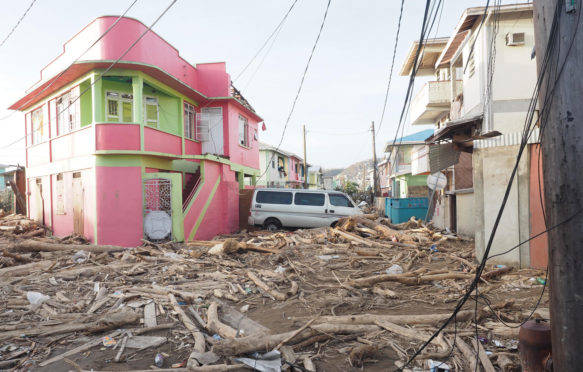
(392, 66)
(100, 76)
(298, 92)
(17, 23)
(279, 26)
(530, 114)
(54, 80)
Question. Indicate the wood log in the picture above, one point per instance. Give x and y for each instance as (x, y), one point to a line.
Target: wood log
(496, 273)
(364, 319)
(406, 279)
(214, 325)
(38, 246)
(486, 363)
(352, 237)
(199, 342)
(469, 356)
(249, 344)
(38, 267)
(258, 282)
(386, 231)
(413, 333)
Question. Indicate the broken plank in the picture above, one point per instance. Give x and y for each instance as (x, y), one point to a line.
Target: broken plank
(150, 315)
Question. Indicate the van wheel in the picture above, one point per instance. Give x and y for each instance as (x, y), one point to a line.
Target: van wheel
(272, 224)
(333, 225)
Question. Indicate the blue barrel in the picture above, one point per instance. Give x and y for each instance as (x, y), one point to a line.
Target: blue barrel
(402, 209)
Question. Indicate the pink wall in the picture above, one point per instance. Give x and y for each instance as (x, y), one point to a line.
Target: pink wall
(192, 147)
(119, 205)
(238, 154)
(117, 137)
(222, 215)
(210, 79)
(63, 223)
(158, 141)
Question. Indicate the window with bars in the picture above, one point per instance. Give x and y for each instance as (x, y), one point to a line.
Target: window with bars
(119, 107)
(243, 131)
(68, 115)
(190, 129)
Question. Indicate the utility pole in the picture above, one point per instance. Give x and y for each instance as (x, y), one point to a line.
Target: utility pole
(374, 162)
(562, 149)
(305, 161)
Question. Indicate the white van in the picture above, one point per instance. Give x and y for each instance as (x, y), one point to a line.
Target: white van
(276, 208)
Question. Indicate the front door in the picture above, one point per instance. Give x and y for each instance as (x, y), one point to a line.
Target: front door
(78, 199)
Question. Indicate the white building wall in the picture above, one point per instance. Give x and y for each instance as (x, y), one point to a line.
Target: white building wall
(272, 177)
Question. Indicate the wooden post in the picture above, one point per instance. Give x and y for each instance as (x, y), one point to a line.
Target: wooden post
(374, 164)
(305, 160)
(562, 147)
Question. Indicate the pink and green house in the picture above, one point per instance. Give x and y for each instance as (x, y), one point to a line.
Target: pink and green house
(155, 148)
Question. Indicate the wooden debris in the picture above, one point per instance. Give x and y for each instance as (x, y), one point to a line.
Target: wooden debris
(282, 279)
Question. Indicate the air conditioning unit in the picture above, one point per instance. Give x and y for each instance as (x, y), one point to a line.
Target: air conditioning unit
(515, 38)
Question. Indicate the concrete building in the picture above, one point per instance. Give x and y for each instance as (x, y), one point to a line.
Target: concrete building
(127, 143)
(315, 177)
(280, 168)
(402, 182)
(478, 103)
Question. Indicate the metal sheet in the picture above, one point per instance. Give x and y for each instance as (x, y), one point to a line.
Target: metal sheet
(442, 156)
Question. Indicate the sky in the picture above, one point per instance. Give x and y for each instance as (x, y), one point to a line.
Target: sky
(344, 88)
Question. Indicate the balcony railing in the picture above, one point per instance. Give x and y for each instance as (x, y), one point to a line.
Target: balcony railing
(433, 100)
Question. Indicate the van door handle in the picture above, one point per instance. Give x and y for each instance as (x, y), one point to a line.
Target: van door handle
(331, 210)
(325, 211)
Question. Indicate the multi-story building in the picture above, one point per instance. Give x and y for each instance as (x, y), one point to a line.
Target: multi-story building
(402, 181)
(279, 168)
(484, 78)
(127, 143)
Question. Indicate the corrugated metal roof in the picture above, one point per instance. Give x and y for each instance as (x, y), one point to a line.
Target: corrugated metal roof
(508, 139)
(417, 138)
(442, 157)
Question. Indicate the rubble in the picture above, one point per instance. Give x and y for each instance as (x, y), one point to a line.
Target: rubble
(210, 305)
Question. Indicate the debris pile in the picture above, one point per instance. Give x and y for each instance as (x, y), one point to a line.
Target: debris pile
(364, 293)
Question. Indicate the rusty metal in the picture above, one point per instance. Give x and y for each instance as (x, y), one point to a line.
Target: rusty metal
(534, 345)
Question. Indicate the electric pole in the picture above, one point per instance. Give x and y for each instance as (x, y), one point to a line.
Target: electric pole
(562, 149)
(374, 162)
(305, 161)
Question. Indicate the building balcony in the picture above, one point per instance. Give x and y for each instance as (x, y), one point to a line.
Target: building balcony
(432, 101)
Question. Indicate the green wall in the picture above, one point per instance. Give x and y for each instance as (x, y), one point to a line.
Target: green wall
(169, 116)
(86, 103)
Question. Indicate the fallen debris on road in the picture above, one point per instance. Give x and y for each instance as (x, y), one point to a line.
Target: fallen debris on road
(364, 293)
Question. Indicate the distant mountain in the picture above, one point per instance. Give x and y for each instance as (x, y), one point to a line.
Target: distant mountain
(332, 172)
(355, 170)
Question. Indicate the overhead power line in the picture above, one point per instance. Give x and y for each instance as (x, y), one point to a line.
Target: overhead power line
(299, 89)
(275, 31)
(100, 76)
(17, 23)
(72, 63)
(392, 66)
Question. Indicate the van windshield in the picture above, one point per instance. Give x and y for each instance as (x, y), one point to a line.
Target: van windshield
(340, 201)
(274, 197)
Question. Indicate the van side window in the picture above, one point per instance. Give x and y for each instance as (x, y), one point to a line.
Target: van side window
(274, 197)
(340, 201)
(304, 198)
